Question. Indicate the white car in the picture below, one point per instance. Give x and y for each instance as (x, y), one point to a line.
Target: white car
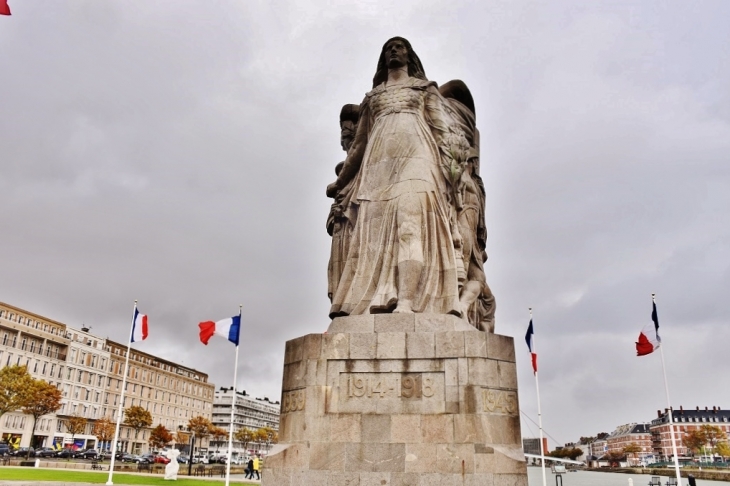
(200, 459)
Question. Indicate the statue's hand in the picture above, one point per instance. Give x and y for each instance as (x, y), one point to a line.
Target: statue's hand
(332, 189)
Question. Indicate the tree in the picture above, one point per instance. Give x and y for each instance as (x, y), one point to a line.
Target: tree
(694, 440)
(75, 425)
(723, 448)
(218, 434)
(245, 436)
(43, 398)
(586, 440)
(137, 417)
(632, 449)
(15, 383)
(601, 435)
(182, 437)
(713, 434)
(200, 427)
(103, 430)
(160, 437)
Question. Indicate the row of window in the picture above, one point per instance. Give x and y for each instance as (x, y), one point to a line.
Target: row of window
(30, 322)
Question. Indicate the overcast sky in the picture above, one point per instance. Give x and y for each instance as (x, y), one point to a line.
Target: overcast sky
(178, 153)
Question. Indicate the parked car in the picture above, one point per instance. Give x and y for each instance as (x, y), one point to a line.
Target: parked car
(200, 459)
(145, 459)
(88, 454)
(23, 451)
(46, 452)
(4, 449)
(127, 458)
(160, 459)
(66, 453)
(183, 459)
(105, 455)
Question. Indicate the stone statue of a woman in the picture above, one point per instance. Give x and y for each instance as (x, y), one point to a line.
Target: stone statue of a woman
(405, 161)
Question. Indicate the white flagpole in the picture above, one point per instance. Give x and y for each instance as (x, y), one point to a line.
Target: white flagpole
(671, 420)
(233, 403)
(121, 401)
(539, 412)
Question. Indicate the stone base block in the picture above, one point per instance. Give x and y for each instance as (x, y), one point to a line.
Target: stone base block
(398, 399)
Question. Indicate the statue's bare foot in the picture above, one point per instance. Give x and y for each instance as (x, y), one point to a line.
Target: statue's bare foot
(403, 307)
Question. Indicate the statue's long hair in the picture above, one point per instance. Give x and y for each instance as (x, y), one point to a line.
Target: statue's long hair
(415, 68)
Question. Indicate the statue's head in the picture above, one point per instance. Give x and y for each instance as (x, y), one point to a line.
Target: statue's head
(386, 60)
(349, 116)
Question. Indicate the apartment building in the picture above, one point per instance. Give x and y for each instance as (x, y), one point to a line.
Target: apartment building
(252, 413)
(684, 421)
(41, 344)
(634, 433)
(88, 371)
(172, 393)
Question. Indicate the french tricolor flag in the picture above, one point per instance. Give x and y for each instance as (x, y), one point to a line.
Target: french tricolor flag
(649, 342)
(528, 339)
(139, 327)
(228, 328)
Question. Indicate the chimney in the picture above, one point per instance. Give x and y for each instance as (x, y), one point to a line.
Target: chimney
(681, 410)
(698, 409)
(706, 409)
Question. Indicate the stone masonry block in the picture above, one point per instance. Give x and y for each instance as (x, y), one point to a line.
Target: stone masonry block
(335, 346)
(475, 344)
(363, 345)
(455, 458)
(375, 479)
(352, 324)
(507, 375)
(483, 372)
(468, 428)
(375, 428)
(405, 428)
(391, 345)
(420, 345)
(293, 350)
(395, 322)
(449, 344)
(371, 457)
(405, 479)
(510, 479)
(420, 458)
(501, 347)
(312, 346)
(437, 428)
(345, 428)
(326, 456)
(344, 478)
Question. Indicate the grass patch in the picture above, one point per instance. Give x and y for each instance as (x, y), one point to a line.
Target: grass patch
(32, 474)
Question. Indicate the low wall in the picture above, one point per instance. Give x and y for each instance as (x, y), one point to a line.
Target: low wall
(120, 466)
(708, 474)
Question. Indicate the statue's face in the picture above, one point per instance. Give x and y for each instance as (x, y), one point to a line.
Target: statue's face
(396, 54)
(347, 134)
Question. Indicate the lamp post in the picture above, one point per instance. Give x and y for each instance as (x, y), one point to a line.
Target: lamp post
(191, 445)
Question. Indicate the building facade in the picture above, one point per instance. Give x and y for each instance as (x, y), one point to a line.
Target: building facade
(87, 369)
(629, 434)
(684, 421)
(251, 413)
(172, 393)
(41, 345)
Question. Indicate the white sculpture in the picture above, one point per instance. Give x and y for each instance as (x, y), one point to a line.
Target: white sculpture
(172, 467)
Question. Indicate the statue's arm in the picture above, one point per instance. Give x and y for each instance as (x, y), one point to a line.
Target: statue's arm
(438, 117)
(356, 153)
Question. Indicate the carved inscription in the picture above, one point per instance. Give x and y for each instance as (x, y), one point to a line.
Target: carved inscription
(391, 392)
(499, 401)
(389, 385)
(293, 401)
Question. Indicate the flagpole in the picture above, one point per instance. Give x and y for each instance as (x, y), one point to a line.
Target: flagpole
(121, 400)
(539, 413)
(669, 413)
(233, 405)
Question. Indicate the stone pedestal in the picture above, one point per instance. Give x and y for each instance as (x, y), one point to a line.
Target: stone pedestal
(398, 400)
